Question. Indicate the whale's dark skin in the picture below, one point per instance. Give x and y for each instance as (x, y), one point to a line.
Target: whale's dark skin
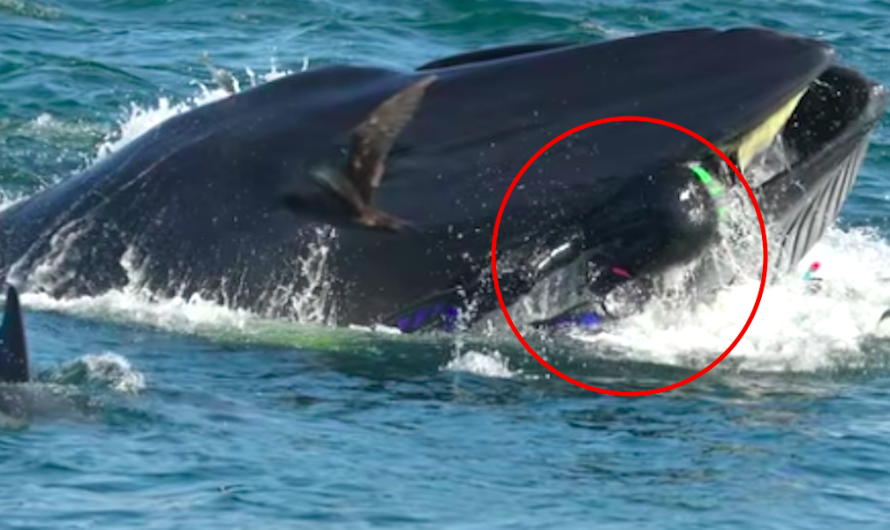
(223, 199)
(13, 347)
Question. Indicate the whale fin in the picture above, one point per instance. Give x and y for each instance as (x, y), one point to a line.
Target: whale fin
(13, 350)
(372, 141)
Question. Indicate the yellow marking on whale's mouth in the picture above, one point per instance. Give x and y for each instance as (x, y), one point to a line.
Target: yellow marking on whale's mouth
(756, 141)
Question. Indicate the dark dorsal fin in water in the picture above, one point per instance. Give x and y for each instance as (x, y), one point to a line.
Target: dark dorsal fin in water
(491, 54)
(13, 350)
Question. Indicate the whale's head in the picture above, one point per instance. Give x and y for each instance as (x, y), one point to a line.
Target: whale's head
(630, 203)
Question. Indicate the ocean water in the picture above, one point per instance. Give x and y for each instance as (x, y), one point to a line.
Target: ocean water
(178, 413)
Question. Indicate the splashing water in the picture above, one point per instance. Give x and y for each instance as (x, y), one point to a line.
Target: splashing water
(139, 119)
(794, 329)
(491, 364)
(133, 302)
(106, 369)
(177, 314)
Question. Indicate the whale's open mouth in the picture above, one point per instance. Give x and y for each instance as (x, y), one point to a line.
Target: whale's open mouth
(801, 164)
(804, 172)
(799, 151)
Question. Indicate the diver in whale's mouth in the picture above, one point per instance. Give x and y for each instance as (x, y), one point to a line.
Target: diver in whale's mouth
(399, 175)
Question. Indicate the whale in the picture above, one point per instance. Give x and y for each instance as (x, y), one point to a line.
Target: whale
(358, 194)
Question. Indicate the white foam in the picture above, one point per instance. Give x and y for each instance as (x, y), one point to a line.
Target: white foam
(793, 329)
(182, 315)
(140, 119)
(106, 369)
(115, 371)
(8, 199)
(30, 9)
(491, 364)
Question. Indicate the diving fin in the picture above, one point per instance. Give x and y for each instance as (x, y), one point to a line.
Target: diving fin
(372, 141)
(13, 349)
